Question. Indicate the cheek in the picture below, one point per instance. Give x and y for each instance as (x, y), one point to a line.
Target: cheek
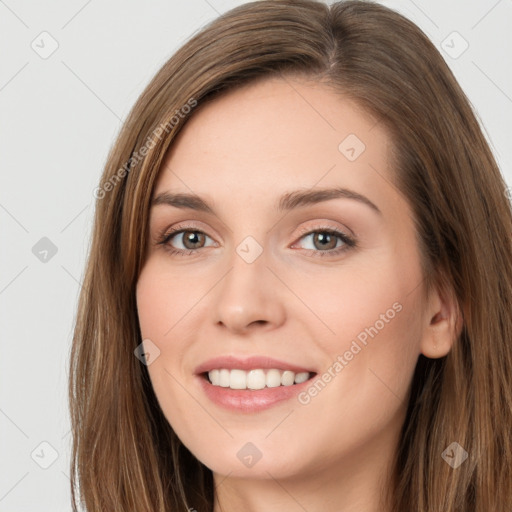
(368, 368)
(370, 328)
(164, 299)
(167, 309)
(153, 307)
(159, 313)
(370, 300)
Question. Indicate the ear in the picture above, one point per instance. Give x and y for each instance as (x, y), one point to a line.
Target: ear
(443, 324)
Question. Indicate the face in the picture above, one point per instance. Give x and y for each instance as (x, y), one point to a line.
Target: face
(295, 259)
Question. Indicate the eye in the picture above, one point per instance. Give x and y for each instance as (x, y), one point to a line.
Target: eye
(327, 241)
(184, 240)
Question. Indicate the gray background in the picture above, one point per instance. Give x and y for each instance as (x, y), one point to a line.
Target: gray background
(60, 114)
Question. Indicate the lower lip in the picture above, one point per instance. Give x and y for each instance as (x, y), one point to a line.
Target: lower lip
(250, 400)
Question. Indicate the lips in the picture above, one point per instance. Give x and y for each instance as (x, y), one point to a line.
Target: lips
(256, 399)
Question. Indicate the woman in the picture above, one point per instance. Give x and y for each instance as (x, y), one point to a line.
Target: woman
(299, 287)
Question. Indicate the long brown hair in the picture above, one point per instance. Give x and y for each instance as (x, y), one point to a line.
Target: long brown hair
(125, 455)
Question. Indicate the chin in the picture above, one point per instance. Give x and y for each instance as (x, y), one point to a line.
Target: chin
(252, 460)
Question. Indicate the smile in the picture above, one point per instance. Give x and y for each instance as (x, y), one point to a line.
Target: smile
(255, 379)
(249, 384)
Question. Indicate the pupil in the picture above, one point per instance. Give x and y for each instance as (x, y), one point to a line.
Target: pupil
(324, 239)
(190, 239)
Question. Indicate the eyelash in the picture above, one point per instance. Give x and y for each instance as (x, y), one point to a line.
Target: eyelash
(349, 242)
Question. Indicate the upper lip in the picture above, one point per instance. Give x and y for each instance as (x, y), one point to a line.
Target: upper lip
(248, 363)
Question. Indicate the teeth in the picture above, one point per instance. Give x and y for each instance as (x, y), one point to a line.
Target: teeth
(238, 379)
(301, 377)
(224, 378)
(288, 378)
(256, 379)
(273, 378)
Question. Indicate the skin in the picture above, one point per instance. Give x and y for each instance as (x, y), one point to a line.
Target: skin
(241, 153)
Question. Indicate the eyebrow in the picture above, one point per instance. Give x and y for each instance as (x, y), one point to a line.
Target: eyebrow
(289, 201)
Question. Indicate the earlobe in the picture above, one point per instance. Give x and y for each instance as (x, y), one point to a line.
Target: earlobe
(443, 326)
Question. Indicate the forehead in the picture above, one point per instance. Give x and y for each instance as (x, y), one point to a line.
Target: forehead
(272, 135)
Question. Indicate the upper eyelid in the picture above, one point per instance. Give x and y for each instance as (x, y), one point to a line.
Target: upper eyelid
(176, 230)
(303, 230)
(326, 227)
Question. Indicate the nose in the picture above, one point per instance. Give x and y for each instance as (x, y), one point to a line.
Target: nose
(249, 297)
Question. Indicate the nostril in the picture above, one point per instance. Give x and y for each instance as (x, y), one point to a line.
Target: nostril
(259, 322)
